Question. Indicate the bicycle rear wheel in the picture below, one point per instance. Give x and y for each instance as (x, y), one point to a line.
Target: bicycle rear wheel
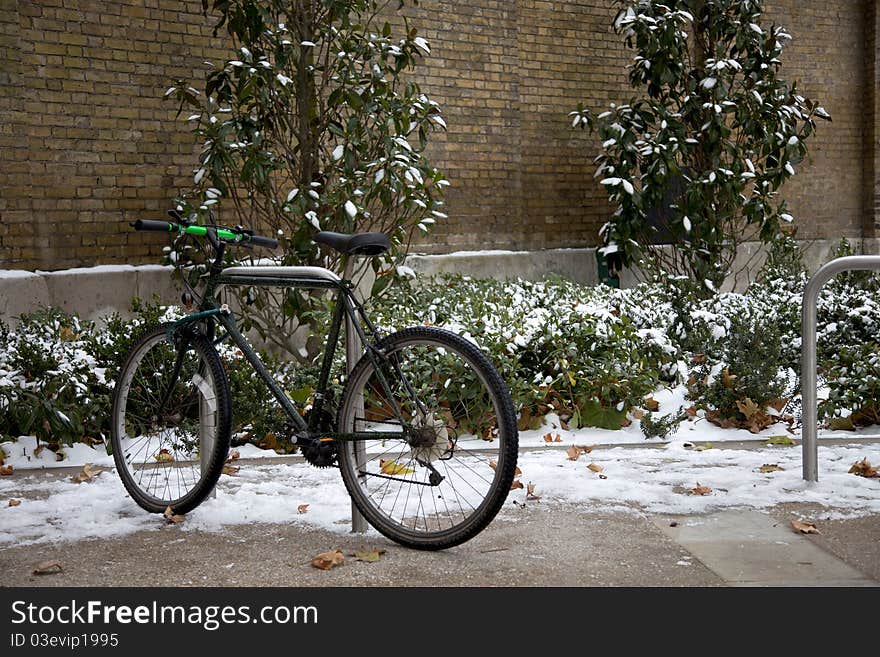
(171, 421)
(446, 457)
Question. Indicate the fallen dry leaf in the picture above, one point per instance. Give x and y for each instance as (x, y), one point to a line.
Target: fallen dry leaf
(302, 508)
(548, 437)
(270, 441)
(88, 473)
(573, 453)
(517, 472)
(595, 467)
(530, 492)
(586, 449)
(700, 490)
(6, 470)
(728, 379)
(747, 407)
(163, 456)
(48, 568)
(691, 411)
(172, 517)
(328, 560)
(777, 404)
(391, 467)
(231, 469)
(770, 467)
(370, 556)
(516, 484)
(652, 404)
(234, 455)
(805, 527)
(493, 465)
(864, 468)
(14, 502)
(638, 413)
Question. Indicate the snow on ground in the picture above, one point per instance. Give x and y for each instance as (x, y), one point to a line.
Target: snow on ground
(633, 479)
(636, 476)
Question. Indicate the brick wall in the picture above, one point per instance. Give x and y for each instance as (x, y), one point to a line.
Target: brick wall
(872, 137)
(87, 147)
(87, 143)
(831, 56)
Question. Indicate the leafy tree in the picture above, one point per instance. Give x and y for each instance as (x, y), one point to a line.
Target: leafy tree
(698, 158)
(310, 125)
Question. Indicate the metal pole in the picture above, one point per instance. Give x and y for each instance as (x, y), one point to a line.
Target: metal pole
(207, 425)
(353, 351)
(808, 353)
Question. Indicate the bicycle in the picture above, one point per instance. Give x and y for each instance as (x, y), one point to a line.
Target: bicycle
(424, 434)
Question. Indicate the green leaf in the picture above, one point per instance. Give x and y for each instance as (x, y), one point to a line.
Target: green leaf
(370, 556)
(301, 395)
(841, 423)
(783, 440)
(593, 414)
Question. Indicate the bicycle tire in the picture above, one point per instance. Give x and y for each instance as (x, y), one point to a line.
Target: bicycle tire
(499, 450)
(167, 452)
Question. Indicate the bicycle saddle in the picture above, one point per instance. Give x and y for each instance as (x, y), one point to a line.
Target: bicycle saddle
(369, 244)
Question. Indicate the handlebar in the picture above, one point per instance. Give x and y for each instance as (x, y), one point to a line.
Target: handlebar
(235, 236)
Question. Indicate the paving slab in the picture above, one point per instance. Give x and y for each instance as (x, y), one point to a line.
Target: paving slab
(541, 545)
(751, 548)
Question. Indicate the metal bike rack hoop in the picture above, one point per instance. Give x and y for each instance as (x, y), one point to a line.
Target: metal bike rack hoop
(353, 351)
(808, 352)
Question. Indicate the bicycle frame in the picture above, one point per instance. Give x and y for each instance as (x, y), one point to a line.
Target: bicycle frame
(346, 305)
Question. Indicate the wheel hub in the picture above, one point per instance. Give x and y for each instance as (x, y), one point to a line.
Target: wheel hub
(428, 438)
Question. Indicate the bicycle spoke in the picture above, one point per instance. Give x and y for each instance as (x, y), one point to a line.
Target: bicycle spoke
(439, 483)
(160, 419)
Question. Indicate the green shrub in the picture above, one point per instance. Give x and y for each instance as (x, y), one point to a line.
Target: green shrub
(589, 355)
(737, 390)
(51, 386)
(561, 347)
(853, 378)
(662, 426)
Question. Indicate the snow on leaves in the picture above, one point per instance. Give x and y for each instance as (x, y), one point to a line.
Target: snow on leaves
(656, 150)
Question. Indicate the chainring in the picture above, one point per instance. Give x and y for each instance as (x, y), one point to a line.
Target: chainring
(320, 453)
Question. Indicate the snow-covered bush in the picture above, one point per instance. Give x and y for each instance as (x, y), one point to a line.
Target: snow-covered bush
(57, 373)
(51, 383)
(592, 356)
(854, 381)
(562, 347)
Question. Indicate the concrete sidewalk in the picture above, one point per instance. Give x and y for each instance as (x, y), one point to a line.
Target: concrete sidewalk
(540, 545)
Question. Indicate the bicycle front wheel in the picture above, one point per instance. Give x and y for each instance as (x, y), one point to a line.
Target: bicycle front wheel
(444, 455)
(171, 421)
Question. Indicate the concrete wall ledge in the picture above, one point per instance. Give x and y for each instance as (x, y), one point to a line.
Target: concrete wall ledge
(91, 292)
(577, 264)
